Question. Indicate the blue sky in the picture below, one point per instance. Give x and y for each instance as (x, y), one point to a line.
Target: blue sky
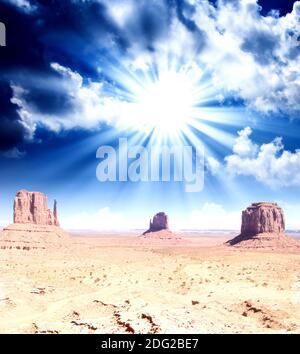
(76, 75)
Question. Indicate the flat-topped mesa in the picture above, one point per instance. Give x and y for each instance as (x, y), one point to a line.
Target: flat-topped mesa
(32, 208)
(263, 226)
(262, 218)
(159, 222)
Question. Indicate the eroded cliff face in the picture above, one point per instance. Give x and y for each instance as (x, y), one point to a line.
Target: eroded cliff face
(263, 226)
(159, 222)
(32, 208)
(262, 218)
(159, 228)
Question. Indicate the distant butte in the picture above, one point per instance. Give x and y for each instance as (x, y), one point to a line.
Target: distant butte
(159, 228)
(263, 226)
(159, 222)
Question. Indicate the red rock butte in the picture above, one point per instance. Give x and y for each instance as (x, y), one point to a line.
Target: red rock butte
(159, 228)
(263, 226)
(159, 222)
(32, 208)
(35, 225)
(263, 218)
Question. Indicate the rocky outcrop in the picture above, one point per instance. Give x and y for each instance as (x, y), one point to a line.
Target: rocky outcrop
(263, 226)
(262, 218)
(159, 228)
(32, 208)
(159, 222)
(30, 237)
(35, 226)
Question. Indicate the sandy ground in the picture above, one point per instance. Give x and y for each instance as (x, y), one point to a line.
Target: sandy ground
(123, 284)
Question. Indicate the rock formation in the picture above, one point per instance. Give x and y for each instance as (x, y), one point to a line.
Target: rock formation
(263, 225)
(262, 218)
(159, 228)
(159, 222)
(32, 208)
(33, 237)
(35, 225)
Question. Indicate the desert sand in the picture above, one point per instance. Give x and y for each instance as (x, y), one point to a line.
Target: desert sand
(122, 283)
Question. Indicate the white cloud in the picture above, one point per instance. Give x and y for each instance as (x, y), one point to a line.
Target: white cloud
(89, 109)
(4, 223)
(211, 216)
(213, 165)
(92, 103)
(243, 145)
(104, 219)
(269, 163)
(253, 55)
(291, 212)
(121, 11)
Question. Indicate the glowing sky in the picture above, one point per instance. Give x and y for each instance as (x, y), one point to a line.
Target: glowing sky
(79, 74)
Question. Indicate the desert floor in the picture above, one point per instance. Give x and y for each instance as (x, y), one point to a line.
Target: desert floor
(123, 284)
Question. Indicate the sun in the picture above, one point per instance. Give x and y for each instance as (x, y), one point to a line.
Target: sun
(166, 102)
(165, 105)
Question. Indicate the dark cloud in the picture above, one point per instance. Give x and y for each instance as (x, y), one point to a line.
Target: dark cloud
(261, 45)
(71, 33)
(294, 36)
(24, 49)
(49, 100)
(12, 131)
(151, 23)
(76, 34)
(183, 11)
(294, 52)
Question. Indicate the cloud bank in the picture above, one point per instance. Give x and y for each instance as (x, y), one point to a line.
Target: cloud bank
(268, 163)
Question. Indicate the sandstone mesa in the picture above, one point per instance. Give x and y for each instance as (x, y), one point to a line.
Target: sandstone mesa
(263, 226)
